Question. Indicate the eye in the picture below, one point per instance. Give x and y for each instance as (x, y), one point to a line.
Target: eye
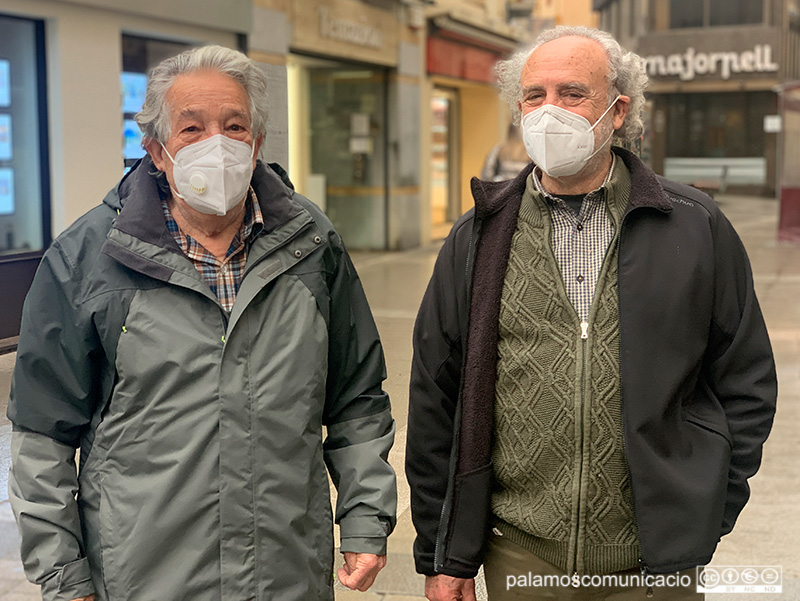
(534, 98)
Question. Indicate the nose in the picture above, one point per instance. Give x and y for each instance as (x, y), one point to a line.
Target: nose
(214, 129)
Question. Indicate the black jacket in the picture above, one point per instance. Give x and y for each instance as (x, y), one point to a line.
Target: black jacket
(697, 375)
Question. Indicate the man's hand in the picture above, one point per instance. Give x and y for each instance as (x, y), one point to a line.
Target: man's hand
(89, 598)
(360, 569)
(447, 588)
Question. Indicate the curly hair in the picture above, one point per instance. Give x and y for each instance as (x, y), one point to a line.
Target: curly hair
(626, 76)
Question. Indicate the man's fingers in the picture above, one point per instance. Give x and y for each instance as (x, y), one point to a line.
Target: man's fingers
(447, 588)
(468, 591)
(360, 570)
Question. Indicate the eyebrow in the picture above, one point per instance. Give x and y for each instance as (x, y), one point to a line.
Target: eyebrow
(560, 88)
(227, 114)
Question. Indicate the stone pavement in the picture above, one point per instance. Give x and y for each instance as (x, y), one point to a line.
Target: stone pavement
(769, 527)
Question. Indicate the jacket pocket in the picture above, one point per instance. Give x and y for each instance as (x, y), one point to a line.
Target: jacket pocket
(709, 426)
(469, 522)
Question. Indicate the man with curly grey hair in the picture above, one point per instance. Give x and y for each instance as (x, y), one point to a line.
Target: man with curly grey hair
(191, 336)
(592, 379)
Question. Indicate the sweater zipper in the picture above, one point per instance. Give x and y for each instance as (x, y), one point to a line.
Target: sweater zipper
(581, 440)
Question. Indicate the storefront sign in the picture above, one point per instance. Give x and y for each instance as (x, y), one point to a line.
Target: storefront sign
(346, 30)
(691, 63)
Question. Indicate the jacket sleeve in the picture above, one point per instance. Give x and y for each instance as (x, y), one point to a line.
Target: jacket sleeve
(433, 398)
(51, 402)
(360, 428)
(740, 366)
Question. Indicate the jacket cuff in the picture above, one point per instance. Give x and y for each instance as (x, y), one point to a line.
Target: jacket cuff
(71, 581)
(364, 534)
(358, 544)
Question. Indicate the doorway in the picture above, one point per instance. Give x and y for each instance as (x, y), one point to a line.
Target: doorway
(445, 190)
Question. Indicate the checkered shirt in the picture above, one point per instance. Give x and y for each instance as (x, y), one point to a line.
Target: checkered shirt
(580, 241)
(223, 277)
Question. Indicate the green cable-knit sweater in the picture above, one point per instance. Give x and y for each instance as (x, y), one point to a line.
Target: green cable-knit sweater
(562, 486)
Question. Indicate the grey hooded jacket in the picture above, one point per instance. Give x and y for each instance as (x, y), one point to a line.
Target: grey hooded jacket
(202, 465)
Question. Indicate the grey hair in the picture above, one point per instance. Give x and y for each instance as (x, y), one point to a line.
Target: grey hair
(626, 76)
(153, 119)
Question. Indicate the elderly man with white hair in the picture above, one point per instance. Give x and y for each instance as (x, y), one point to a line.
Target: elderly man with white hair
(592, 379)
(191, 336)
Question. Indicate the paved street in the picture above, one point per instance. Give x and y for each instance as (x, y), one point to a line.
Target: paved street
(768, 529)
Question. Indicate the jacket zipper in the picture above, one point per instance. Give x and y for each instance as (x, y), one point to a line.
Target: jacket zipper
(642, 564)
(645, 575)
(441, 532)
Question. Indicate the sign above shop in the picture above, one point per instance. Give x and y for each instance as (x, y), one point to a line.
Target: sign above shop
(690, 64)
(347, 30)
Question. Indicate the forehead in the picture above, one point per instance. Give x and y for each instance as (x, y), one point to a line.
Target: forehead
(209, 90)
(567, 59)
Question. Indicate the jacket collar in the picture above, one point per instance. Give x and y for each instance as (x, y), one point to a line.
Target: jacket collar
(138, 200)
(646, 191)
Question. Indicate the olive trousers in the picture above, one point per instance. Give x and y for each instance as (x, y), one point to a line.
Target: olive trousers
(515, 574)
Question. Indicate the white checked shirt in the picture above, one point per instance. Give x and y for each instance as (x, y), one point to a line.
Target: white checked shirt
(580, 242)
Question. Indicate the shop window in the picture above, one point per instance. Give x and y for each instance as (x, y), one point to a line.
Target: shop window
(685, 13)
(139, 55)
(724, 125)
(714, 13)
(24, 181)
(735, 12)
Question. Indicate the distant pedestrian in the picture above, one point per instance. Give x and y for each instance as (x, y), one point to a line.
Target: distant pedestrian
(507, 159)
(192, 336)
(592, 380)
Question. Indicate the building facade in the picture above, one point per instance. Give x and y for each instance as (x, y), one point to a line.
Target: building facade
(714, 67)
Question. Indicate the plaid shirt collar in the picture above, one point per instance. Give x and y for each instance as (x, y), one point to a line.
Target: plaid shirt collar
(223, 277)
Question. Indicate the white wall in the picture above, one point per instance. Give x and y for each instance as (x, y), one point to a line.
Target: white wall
(84, 60)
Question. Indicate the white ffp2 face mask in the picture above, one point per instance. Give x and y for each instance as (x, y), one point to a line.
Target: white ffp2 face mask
(212, 175)
(560, 141)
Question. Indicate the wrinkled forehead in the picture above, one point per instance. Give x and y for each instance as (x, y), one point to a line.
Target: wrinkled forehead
(571, 58)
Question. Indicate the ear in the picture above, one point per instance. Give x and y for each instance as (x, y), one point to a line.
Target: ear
(621, 109)
(257, 148)
(156, 152)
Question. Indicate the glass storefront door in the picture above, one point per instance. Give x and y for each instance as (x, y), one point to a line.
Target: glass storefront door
(24, 169)
(337, 144)
(444, 193)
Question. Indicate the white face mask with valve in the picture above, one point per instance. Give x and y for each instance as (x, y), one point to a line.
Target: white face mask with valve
(560, 141)
(212, 175)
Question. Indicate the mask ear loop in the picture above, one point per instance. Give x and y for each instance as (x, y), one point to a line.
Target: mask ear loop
(611, 135)
(171, 189)
(610, 106)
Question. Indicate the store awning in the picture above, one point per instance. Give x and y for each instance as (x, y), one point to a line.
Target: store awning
(450, 26)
